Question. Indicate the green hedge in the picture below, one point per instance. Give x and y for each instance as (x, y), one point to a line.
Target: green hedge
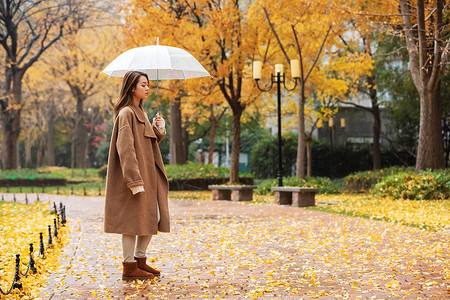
(325, 185)
(427, 185)
(29, 177)
(191, 171)
(363, 181)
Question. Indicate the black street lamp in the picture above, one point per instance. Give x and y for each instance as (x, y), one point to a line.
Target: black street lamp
(278, 78)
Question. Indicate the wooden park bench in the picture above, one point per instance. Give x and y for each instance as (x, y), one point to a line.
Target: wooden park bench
(240, 192)
(297, 196)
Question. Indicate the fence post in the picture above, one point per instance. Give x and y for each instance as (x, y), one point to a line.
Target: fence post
(55, 232)
(41, 245)
(63, 216)
(32, 262)
(16, 284)
(49, 235)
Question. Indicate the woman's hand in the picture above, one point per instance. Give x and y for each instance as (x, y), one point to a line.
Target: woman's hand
(158, 121)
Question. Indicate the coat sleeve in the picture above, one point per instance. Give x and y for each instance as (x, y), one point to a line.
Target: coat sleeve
(126, 151)
(160, 133)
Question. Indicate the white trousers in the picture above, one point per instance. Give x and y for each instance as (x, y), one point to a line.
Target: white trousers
(132, 248)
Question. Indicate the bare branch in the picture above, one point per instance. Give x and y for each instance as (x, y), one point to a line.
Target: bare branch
(356, 105)
(411, 45)
(318, 53)
(367, 14)
(299, 49)
(438, 45)
(275, 34)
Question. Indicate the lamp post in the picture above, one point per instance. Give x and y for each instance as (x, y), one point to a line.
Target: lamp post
(278, 78)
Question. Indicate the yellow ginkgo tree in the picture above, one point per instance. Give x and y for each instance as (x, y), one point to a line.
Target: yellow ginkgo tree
(308, 31)
(28, 30)
(69, 78)
(214, 32)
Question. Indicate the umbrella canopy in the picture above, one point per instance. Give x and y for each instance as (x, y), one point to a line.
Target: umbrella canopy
(158, 62)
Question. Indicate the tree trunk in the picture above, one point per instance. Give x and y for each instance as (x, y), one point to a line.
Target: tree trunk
(11, 125)
(236, 146)
(376, 155)
(39, 152)
(72, 155)
(176, 141)
(27, 144)
(425, 62)
(11, 118)
(308, 157)
(212, 134)
(51, 134)
(301, 134)
(183, 155)
(430, 151)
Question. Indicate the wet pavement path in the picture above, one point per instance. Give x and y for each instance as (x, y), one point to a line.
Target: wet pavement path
(230, 250)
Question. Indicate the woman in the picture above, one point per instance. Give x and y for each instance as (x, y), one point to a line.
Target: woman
(136, 185)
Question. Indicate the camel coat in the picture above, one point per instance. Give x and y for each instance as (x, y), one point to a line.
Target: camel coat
(134, 160)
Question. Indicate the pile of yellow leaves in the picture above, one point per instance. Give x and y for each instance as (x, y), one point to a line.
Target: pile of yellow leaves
(424, 214)
(20, 226)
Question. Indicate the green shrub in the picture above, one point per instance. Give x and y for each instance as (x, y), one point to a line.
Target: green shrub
(427, 185)
(264, 156)
(363, 181)
(195, 170)
(325, 185)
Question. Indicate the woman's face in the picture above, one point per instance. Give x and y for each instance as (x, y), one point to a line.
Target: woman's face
(140, 91)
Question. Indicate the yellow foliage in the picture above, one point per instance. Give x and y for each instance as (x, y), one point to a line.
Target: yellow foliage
(20, 226)
(217, 34)
(332, 79)
(421, 213)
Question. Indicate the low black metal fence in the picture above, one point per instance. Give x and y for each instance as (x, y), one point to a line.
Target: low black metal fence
(94, 190)
(59, 221)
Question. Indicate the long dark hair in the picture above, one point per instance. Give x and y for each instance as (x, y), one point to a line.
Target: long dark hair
(130, 80)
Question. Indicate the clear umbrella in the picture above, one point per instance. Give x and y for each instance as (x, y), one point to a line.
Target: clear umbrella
(158, 62)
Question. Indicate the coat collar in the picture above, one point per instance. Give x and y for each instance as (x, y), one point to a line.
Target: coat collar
(143, 118)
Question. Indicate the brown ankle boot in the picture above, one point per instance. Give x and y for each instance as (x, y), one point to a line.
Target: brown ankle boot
(131, 271)
(141, 262)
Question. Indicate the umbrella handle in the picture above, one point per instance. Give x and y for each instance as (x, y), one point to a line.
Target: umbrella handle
(157, 96)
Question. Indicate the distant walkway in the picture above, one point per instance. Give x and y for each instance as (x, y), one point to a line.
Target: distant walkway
(229, 250)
